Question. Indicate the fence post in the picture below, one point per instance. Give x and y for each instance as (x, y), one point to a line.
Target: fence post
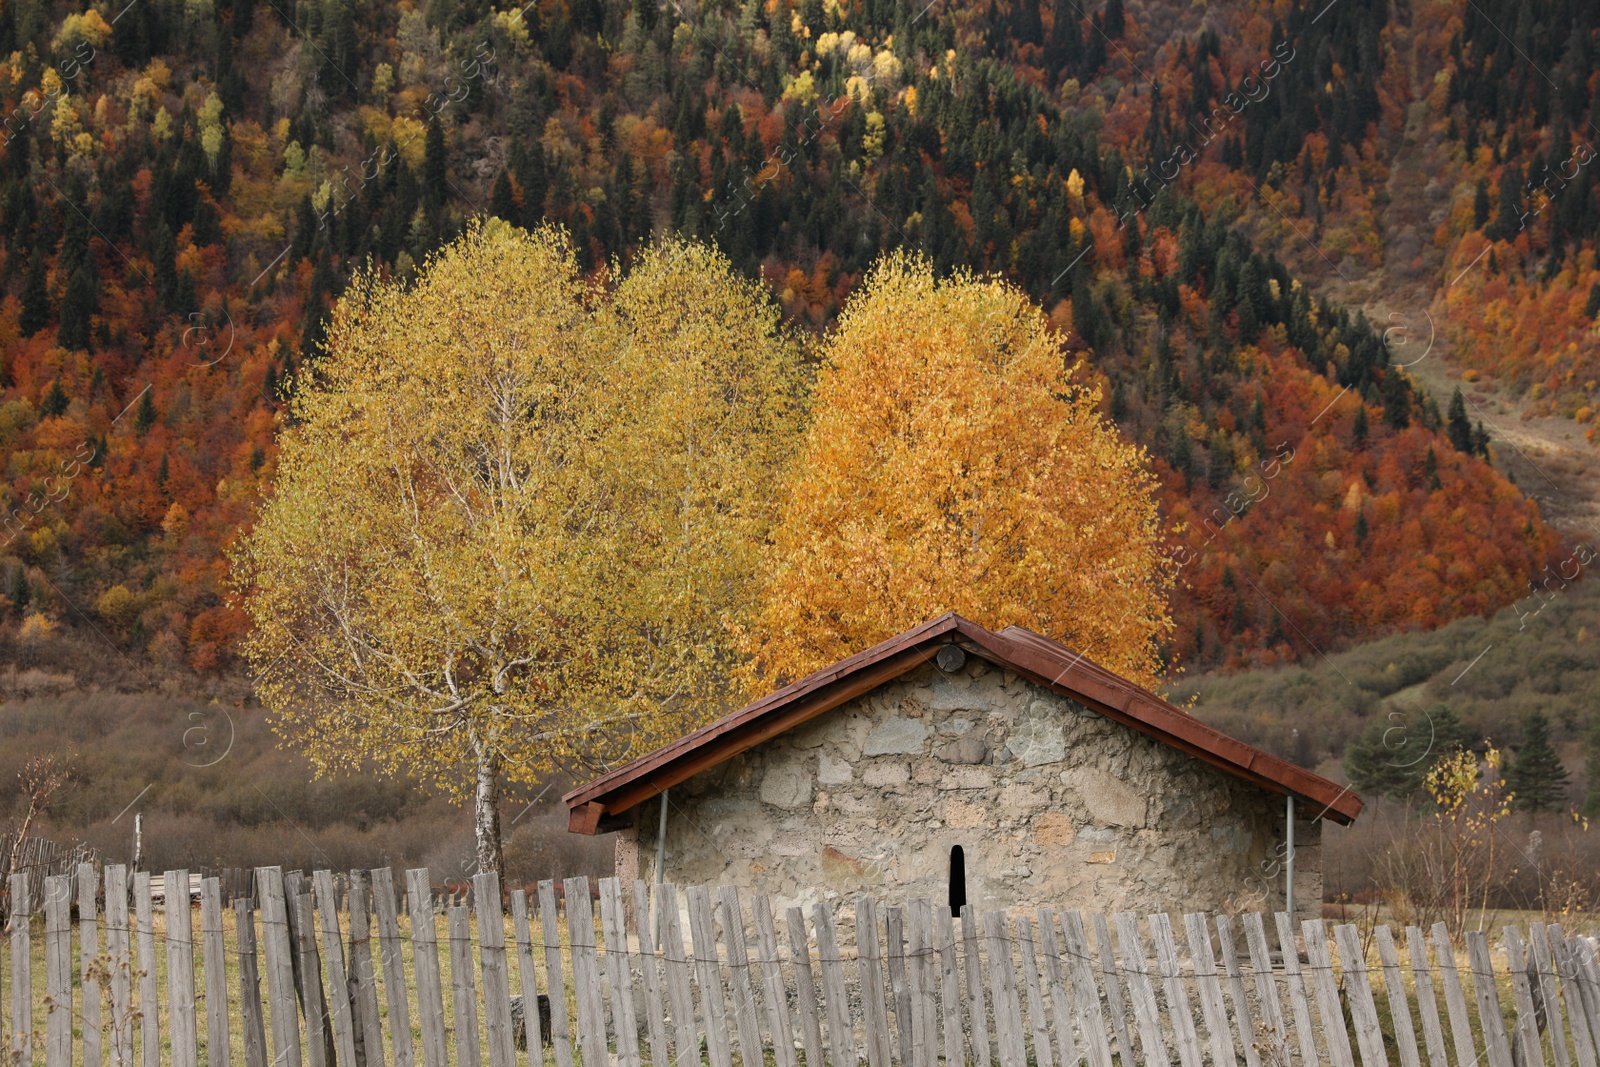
(394, 967)
(652, 982)
(496, 975)
(58, 970)
(550, 926)
(679, 990)
(425, 958)
(1489, 1017)
(21, 973)
(252, 1023)
(805, 987)
(367, 1024)
(708, 975)
(117, 942)
(149, 992)
(214, 956)
(90, 965)
(326, 896)
(277, 952)
(463, 995)
(614, 926)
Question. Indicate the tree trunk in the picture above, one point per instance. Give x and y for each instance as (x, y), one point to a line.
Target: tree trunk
(486, 813)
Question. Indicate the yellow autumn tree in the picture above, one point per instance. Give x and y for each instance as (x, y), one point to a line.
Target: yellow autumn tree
(956, 462)
(517, 518)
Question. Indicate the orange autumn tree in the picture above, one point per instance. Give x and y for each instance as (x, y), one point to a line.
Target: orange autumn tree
(956, 463)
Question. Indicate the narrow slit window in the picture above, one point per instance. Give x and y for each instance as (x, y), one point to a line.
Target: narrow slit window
(958, 880)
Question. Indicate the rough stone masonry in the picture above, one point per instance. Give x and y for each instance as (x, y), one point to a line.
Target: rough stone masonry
(1052, 803)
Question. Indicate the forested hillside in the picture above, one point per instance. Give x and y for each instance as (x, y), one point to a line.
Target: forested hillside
(187, 187)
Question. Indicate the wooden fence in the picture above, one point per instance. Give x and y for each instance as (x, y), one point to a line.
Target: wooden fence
(39, 857)
(370, 984)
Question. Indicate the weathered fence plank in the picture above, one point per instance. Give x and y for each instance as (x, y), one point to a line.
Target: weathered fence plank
(1277, 1037)
(496, 972)
(944, 933)
(1111, 982)
(22, 973)
(586, 973)
(550, 928)
(1427, 1000)
(394, 971)
(58, 970)
(425, 963)
(1363, 1012)
(1583, 1046)
(899, 990)
(1212, 1009)
(1455, 1001)
(869, 951)
(841, 1039)
(1490, 1021)
(463, 990)
(1294, 980)
(120, 966)
(253, 1025)
(363, 975)
(977, 1014)
(277, 953)
(1086, 997)
(326, 903)
(1177, 996)
(1319, 961)
(184, 1036)
(1056, 979)
(320, 1048)
(619, 971)
(1405, 1035)
(527, 975)
(805, 987)
(708, 976)
(1526, 1029)
(741, 990)
(924, 993)
(775, 993)
(1146, 1013)
(1030, 982)
(1228, 949)
(655, 1023)
(679, 990)
(149, 989)
(1003, 991)
(1549, 997)
(90, 964)
(213, 957)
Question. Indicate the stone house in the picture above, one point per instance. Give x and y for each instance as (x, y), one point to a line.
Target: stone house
(953, 762)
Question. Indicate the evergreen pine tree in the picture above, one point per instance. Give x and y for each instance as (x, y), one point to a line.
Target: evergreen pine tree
(54, 402)
(502, 199)
(1394, 754)
(78, 306)
(1396, 399)
(145, 417)
(1358, 430)
(434, 179)
(1536, 778)
(1457, 426)
(35, 296)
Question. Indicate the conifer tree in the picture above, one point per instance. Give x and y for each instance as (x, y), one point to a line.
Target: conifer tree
(1536, 778)
(1457, 426)
(1394, 753)
(35, 296)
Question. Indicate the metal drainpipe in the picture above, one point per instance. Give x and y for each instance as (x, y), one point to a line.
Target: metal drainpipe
(661, 864)
(1288, 867)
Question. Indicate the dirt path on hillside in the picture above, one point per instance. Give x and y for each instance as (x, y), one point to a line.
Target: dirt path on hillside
(1548, 458)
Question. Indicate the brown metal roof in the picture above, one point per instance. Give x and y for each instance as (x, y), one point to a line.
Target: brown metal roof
(1039, 659)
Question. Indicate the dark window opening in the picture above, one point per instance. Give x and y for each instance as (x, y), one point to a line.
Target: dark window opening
(958, 881)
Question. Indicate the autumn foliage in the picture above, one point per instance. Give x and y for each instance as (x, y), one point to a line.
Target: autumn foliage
(955, 462)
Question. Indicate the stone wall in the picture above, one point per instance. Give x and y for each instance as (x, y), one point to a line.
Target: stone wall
(1052, 803)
